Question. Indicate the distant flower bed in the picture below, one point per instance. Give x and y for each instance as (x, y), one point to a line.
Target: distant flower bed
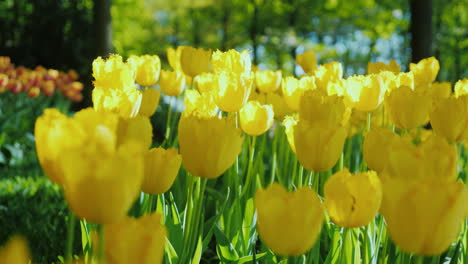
(38, 81)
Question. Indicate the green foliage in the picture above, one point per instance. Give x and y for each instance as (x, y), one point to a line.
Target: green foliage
(35, 208)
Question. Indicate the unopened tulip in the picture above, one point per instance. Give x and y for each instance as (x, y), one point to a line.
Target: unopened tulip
(256, 119)
(195, 61)
(365, 93)
(425, 71)
(208, 145)
(172, 83)
(232, 61)
(288, 223)
(233, 90)
(149, 102)
(450, 118)
(352, 200)
(407, 108)
(132, 240)
(267, 81)
(307, 61)
(161, 168)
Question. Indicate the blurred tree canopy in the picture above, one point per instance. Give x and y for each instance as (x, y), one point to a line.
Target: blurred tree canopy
(353, 32)
(62, 33)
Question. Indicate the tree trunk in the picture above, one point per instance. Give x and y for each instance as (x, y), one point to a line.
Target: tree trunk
(253, 32)
(103, 27)
(421, 29)
(225, 25)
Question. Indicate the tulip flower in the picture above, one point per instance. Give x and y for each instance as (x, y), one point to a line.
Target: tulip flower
(173, 57)
(289, 124)
(195, 61)
(267, 81)
(232, 61)
(202, 104)
(208, 145)
(450, 118)
(114, 87)
(293, 89)
(276, 100)
(407, 108)
(352, 200)
(424, 217)
(288, 223)
(149, 102)
(147, 69)
(425, 71)
(132, 240)
(461, 87)
(328, 73)
(318, 146)
(15, 251)
(161, 168)
(440, 90)
(233, 90)
(256, 119)
(307, 61)
(315, 106)
(365, 93)
(377, 146)
(103, 170)
(377, 67)
(172, 83)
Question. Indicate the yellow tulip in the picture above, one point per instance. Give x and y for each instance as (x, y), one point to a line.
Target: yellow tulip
(461, 87)
(289, 124)
(377, 67)
(293, 89)
(307, 61)
(136, 129)
(52, 136)
(318, 146)
(425, 71)
(440, 90)
(318, 107)
(147, 69)
(393, 81)
(206, 82)
(407, 108)
(256, 119)
(424, 217)
(114, 87)
(161, 168)
(233, 90)
(434, 159)
(288, 223)
(328, 73)
(268, 81)
(352, 200)
(132, 240)
(15, 251)
(450, 118)
(173, 57)
(277, 101)
(172, 83)
(195, 61)
(102, 173)
(149, 102)
(208, 145)
(202, 104)
(376, 147)
(365, 93)
(232, 61)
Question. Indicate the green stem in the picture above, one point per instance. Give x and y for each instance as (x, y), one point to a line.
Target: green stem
(168, 121)
(101, 244)
(70, 236)
(249, 179)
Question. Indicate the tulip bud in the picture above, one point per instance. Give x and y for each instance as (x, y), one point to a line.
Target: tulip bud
(352, 200)
(161, 168)
(147, 69)
(256, 119)
(233, 90)
(15, 251)
(425, 71)
(307, 61)
(267, 81)
(149, 102)
(232, 61)
(450, 118)
(365, 93)
(132, 240)
(208, 145)
(172, 83)
(288, 223)
(195, 61)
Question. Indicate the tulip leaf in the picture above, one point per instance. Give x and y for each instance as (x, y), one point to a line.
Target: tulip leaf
(198, 251)
(224, 248)
(172, 256)
(249, 259)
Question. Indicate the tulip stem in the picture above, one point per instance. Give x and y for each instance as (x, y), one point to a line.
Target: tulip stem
(101, 244)
(70, 236)
(419, 260)
(369, 120)
(249, 178)
(168, 121)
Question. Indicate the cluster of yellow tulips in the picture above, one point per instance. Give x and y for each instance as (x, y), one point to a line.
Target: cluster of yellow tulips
(103, 156)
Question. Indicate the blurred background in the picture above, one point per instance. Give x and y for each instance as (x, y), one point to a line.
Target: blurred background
(51, 45)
